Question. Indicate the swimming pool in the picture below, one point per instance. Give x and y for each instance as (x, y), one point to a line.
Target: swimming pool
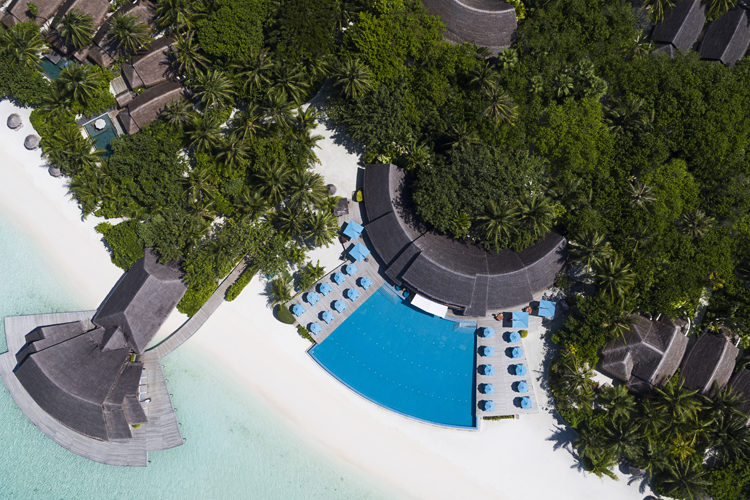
(51, 69)
(102, 137)
(405, 360)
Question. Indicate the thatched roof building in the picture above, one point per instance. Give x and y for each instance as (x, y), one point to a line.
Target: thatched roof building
(648, 355)
(741, 384)
(151, 67)
(709, 363)
(14, 121)
(31, 142)
(681, 26)
(727, 38)
(101, 51)
(87, 378)
(461, 275)
(18, 11)
(146, 107)
(486, 23)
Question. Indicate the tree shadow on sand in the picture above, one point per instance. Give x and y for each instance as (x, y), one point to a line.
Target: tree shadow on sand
(339, 136)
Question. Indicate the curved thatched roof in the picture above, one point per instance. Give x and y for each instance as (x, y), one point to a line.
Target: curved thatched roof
(456, 273)
(31, 142)
(727, 38)
(709, 362)
(14, 121)
(486, 23)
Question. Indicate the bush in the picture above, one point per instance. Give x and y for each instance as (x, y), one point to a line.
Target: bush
(302, 331)
(196, 295)
(24, 85)
(232, 29)
(524, 333)
(284, 315)
(124, 244)
(236, 288)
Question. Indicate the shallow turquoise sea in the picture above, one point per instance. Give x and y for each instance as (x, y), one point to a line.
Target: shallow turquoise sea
(234, 447)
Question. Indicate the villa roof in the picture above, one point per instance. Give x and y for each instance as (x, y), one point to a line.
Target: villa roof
(146, 107)
(486, 23)
(727, 38)
(710, 361)
(456, 273)
(648, 355)
(682, 24)
(741, 384)
(18, 11)
(97, 9)
(151, 67)
(143, 11)
(140, 302)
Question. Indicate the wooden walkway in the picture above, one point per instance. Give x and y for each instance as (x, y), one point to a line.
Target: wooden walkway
(193, 324)
(312, 313)
(161, 432)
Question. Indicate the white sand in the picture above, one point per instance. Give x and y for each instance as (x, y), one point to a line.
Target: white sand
(507, 459)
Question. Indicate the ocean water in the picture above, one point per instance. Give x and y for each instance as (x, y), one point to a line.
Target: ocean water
(234, 447)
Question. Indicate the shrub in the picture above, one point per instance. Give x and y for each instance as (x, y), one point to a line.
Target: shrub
(124, 244)
(302, 331)
(524, 333)
(236, 288)
(284, 315)
(232, 29)
(25, 85)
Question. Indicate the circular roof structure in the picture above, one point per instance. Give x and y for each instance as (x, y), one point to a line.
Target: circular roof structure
(14, 121)
(31, 142)
(462, 275)
(54, 171)
(486, 23)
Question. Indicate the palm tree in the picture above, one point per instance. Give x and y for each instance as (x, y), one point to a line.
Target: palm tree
(234, 151)
(256, 72)
(79, 82)
(289, 221)
(179, 113)
(252, 202)
(535, 215)
(565, 85)
(306, 120)
(23, 44)
(730, 438)
(641, 46)
(682, 479)
(280, 290)
(76, 29)
(696, 224)
(321, 228)
(657, 8)
(676, 403)
(461, 136)
(498, 224)
(353, 78)
(71, 152)
(590, 249)
(500, 106)
(188, 59)
(640, 194)
(289, 82)
(614, 277)
(212, 88)
(484, 78)
(128, 34)
(273, 179)
(200, 185)
(175, 14)
(574, 380)
(250, 123)
(204, 133)
(308, 190)
(616, 401)
(56, 103)
(278, 110)
(718, 7)
(623, 439)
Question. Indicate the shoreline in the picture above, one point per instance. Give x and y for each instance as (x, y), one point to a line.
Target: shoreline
(269, 360)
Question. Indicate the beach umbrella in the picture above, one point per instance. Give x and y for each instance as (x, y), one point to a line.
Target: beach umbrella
(331, 189)
(365, 282)
(486, 332)
(14, 121)
(312, 298)
(339, 305)
(520, 369)
(325, 289)
(522, 386)
(546, 309)
(486, 369)
(353, 230)
(31, 142)
(339, 278)
(54, 171)
(520, 320)
(298, 310)
(516, 352)
(514, 337)
(327, 316)
(351, 293)
(525, 402)
(486, 388)
(487, 405)
(486, 350)
(359, 252)
(314, 328)
(350, 269)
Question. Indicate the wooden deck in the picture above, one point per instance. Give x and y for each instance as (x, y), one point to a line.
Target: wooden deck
(160, 432)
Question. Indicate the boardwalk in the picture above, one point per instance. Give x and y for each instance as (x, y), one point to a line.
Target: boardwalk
(161, 432)
(193, 324)
(368, 268)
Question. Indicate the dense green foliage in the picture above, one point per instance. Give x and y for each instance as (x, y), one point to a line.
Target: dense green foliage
(236, 288)
(231, 29)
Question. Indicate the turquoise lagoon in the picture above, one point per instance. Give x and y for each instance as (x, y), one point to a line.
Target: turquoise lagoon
(234, 447)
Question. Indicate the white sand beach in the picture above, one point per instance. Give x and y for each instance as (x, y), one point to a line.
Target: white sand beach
(505, 459)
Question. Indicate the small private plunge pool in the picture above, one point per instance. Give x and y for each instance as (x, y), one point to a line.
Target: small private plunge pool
(410, 362)
(102, 132)
(51, 66)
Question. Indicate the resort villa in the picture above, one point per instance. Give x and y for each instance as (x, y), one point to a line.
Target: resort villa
(86, 379)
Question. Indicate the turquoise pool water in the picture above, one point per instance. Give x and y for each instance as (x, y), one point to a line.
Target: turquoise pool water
(234, 445)
(102, 137)
(405, 360)
(51, 69)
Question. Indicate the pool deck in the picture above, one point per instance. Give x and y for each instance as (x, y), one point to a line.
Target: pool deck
(162, 430)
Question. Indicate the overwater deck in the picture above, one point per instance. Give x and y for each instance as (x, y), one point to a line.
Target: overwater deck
(160, 432)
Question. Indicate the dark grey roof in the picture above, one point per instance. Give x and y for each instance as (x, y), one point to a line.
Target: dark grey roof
(456, 273)
(151, 67)
(727, 38)
(139, 303)
(710, 361)
(145, 108)
(682, 24)
(486, 23)
(664, 49)
(649, 354)
(46, 9)
(97, 9)
(741, 384)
